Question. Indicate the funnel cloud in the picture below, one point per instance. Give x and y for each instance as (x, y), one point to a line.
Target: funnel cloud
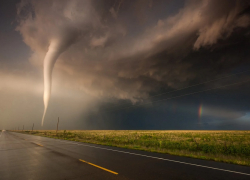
(56, 48)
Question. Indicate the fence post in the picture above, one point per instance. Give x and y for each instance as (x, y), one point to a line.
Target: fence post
(57, 126)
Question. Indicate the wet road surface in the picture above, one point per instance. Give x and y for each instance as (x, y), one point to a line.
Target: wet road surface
(28, 157)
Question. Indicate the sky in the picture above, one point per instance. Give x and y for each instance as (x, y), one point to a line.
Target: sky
(116, 64)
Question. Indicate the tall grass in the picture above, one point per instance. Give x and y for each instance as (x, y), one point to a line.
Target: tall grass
(225, 146)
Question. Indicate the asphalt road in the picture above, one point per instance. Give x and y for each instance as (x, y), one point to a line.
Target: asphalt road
(33, 157)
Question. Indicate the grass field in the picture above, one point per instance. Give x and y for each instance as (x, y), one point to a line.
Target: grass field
(224, 146)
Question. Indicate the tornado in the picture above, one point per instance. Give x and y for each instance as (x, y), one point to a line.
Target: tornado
(56, 48)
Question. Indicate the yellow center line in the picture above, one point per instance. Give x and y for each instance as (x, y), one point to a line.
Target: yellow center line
(38, 144)
(98, 167)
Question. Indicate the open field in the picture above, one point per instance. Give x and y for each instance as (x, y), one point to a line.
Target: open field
(224, 146)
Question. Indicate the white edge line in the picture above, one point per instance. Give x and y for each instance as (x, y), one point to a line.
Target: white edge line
(156, 158)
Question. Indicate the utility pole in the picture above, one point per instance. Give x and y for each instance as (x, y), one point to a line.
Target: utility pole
(32, 126)
(57, 126)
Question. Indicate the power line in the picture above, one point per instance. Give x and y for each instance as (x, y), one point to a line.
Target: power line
(199, 84)
(179, 96)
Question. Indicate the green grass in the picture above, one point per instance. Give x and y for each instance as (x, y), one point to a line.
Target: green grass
(224, 146)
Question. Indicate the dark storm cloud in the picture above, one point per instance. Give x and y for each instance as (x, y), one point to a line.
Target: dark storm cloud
(122, 53)
(109, 60)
